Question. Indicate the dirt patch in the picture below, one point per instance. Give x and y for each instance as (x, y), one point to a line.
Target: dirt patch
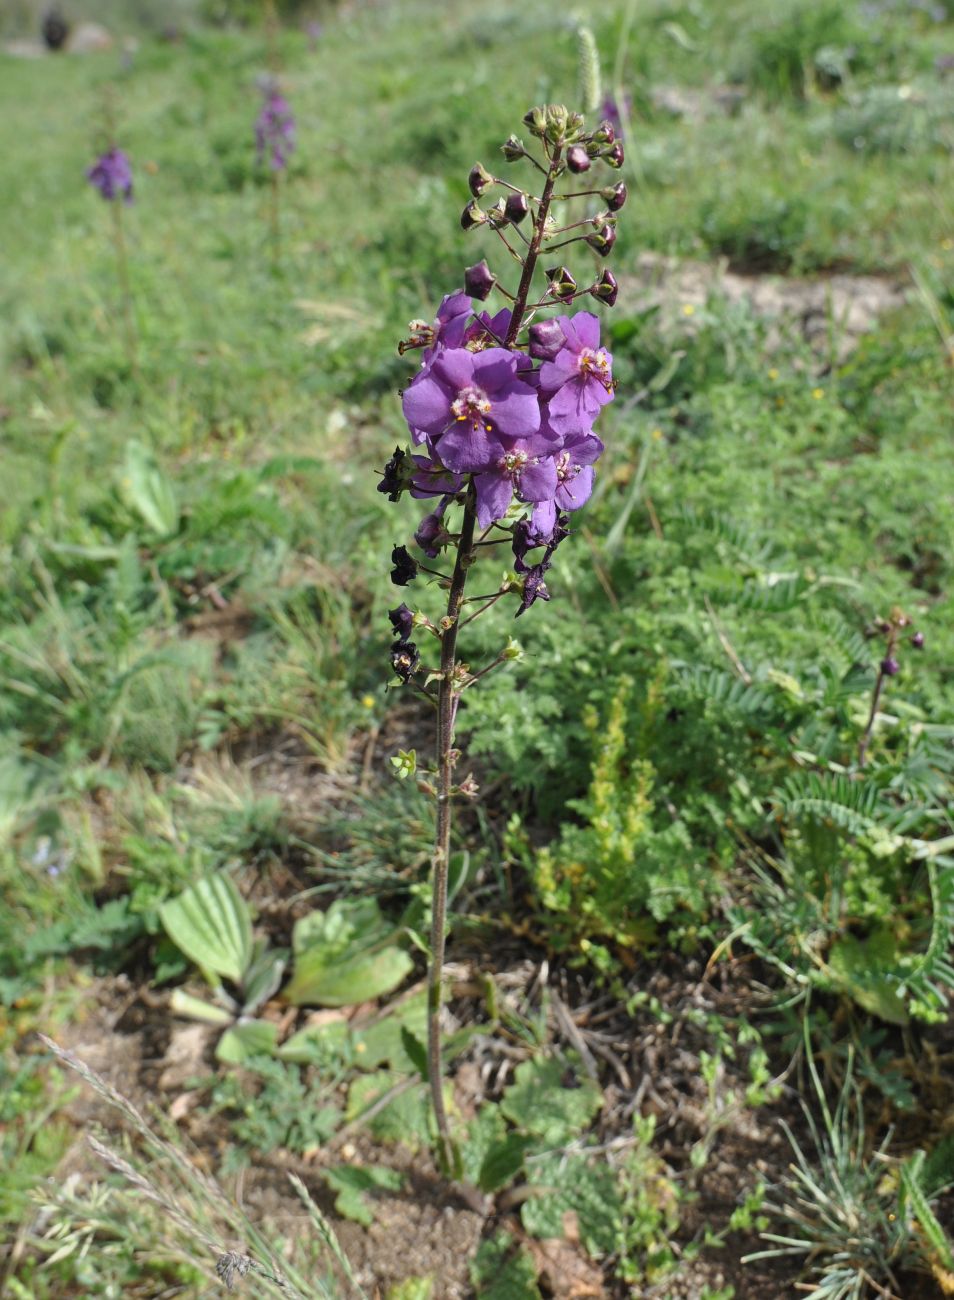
(831, 313)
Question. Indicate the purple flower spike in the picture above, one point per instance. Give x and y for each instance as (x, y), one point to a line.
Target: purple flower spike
(274, 131)
(579, 381)
(111, 174)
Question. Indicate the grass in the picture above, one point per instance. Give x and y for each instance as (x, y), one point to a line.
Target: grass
(192, 612)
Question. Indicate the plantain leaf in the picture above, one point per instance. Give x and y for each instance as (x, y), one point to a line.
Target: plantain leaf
(149, 490)
(329, 982)
(246, 1039)
(210, 922)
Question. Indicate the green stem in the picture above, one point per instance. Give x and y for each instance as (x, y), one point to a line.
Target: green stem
(122, 266)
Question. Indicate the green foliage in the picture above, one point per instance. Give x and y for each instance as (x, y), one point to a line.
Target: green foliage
(547, 1101)
(352, 1183)
(345, 955)
(503, 1271)
(276, 1109)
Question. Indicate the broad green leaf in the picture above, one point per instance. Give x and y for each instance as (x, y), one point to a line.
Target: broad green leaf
(323, 1045)
(246, 1039)
(341, 956)
(149, 490)
(210, 922)
(351, 1182)
(406, 1119)
(384, 1042)
(546, 1099)
(321, 982)
(588, 1188)
(487, 1129)
(263, 976)
(861, 968)
(503, 1161)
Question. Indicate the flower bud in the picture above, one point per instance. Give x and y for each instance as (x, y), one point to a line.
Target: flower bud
(614, 196)
(605, 288)
(605, 133)
(918, 640)
(512, 650)
(556, 121)
(512, 149)
(472, 216)
(497, 215)
(890, 666)
(535, 120)
(577, 159)
(615, 155)
(479, 180)
(546, 339)
(603, 240)
(516, 207)
(479, 280)
(574, 125)
(562, 284)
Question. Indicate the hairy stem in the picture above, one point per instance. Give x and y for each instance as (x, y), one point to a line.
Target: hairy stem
(446, 713)
(533, 252)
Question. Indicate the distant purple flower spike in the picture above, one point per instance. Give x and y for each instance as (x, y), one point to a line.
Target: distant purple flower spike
(111, 174)
(274, 130)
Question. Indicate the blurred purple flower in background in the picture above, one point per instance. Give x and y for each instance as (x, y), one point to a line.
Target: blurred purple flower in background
(610, 112)
(111, 174)
(274, 129)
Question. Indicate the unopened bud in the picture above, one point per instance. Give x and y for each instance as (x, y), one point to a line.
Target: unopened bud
(479, 280)
(512, 149)
(472, 216)
(479, 180)
(574, 125)
(577, 159)
(605, 288)
(556, 120)
(603, 240)
(890, 666)
(517, 207)
(512, 650)
(497, 214)
(615, 155)
(535, 120)
(605, 133)
(546, 339)
(614, 196)
(562, 284)
(918, 640)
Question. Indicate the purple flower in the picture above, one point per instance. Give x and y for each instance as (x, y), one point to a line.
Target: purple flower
(534, 588)
(447, 330)
(579, 381)
(432, 479)
(471, 405)
(610, 111)
(111, 174)
(405, 566)
(574, 470)
(402, 620)
(404, 659)
(274, 130)
(396, 475)
(519, 469)
(528, 535)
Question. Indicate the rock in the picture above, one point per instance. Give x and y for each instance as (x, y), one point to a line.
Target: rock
(89, 38)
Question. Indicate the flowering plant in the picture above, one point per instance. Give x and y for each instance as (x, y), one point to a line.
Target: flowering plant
(111, 174)
(501, 415)
(274, 128)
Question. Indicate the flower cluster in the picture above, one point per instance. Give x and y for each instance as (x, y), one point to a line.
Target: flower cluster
(111, 174)
(501, 412)
(274, 129)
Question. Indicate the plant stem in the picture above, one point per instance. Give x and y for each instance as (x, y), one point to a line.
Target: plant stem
(446, 713)
(533, 252)
(122, 266)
